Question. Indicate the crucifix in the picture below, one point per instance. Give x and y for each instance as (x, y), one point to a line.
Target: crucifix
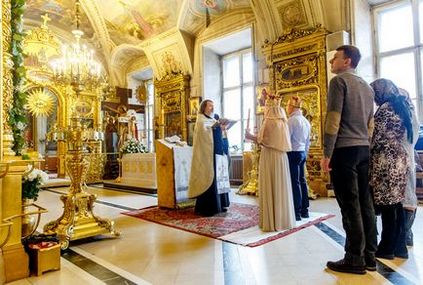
(45, 20)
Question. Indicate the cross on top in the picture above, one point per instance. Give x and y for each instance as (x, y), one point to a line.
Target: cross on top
(45, 20)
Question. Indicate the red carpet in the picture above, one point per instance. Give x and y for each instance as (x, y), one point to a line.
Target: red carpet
(242, 218)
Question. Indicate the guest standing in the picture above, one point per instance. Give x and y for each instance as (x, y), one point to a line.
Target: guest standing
(299, 130)
(410, 202)
(207, 143)
(390, 165)
(348, 126)
(275, 193)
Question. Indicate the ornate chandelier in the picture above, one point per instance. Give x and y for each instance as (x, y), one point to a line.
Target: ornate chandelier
(77, 67)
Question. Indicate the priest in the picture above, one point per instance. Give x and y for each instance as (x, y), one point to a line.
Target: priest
(210, 149)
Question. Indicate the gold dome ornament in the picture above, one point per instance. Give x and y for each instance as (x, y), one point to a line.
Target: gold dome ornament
(39, 103)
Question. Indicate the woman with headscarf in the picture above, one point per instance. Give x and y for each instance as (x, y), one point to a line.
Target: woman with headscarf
(390, 164)
(275, 193)
(410, 202)
(208, 141)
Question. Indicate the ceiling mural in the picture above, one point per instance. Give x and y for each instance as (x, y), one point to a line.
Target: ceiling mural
(195, 17)
(131, 21)
(61, 14)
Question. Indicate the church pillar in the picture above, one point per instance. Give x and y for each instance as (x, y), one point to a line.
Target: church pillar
(7, 80)
(16, 264)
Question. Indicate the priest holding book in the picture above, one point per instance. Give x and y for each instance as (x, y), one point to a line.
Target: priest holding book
(209, 178)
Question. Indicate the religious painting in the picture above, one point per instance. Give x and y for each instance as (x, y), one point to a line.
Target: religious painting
(261, 90)
(194, 107)
(295, 72)
(130, 21)
(61, 12)
(310, 107)
(173, 124)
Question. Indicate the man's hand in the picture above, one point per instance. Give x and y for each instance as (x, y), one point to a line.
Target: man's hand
(324, 164)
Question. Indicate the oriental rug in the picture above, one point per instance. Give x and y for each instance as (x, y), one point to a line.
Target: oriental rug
(238, 225)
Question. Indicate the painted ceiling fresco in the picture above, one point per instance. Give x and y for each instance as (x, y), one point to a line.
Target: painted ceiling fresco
(131, 21)
(61, 13)
(195, 18)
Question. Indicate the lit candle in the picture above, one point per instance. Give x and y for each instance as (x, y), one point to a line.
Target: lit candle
(248, 120)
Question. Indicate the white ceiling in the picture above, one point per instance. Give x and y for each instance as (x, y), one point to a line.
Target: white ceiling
(231, 43)
(145, 74)
(376, 2)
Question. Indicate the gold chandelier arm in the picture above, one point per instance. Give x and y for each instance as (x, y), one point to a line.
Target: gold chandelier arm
(77, 14)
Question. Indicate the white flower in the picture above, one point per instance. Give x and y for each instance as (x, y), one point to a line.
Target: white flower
(21, 126)
(37, 174)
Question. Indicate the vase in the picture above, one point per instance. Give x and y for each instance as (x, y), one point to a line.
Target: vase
(28, 221)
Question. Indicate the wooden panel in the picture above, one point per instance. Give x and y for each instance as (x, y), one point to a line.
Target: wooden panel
(52, 163)
(165, 172)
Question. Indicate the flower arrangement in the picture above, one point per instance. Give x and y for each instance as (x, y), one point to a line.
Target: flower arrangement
(32, 182)
(17, 120)
(133, 146)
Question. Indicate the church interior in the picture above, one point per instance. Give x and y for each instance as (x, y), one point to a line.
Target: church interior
(99, 102)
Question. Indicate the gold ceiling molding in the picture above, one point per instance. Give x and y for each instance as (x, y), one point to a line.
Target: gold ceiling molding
(296, 34)
(293, 15)
(41, 43)
(92, 11)
(170, 66)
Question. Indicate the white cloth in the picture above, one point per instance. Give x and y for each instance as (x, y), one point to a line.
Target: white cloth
(222, 174)
(182, 159)
(202, 168)
(275, 193)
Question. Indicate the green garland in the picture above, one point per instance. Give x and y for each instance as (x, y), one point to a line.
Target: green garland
(18, 120)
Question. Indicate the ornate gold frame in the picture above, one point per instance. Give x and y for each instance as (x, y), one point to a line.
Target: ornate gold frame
(297, 64)
(171, 99)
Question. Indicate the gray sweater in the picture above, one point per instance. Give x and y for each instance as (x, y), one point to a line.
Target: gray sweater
(349, 118)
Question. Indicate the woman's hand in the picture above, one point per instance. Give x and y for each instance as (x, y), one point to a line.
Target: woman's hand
(250, 136)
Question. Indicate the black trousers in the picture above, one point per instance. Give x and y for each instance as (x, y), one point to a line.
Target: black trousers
(297, 160)
(350, 166)
(393, 231)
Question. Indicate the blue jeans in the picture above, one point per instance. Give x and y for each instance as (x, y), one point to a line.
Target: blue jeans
(297, 160)
(350, 178)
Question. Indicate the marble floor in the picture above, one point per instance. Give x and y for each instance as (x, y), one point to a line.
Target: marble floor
(148, 253)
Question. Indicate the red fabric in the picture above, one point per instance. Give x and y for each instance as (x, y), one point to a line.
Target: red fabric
(237, 218)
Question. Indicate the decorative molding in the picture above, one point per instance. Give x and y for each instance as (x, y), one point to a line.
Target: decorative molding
(296, 34)
(7, 79)
(292, 15)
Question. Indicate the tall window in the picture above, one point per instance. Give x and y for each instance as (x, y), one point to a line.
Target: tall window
(238, 96)
(399, 45)
(149, 115)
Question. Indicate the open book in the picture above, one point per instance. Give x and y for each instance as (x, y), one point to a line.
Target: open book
(224, 122)
(172, 139)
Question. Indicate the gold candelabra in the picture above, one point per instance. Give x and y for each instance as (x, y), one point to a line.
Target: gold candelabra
(78, 220)
(78, 69)
(251, 185)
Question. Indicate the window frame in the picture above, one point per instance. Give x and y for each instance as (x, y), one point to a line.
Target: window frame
(149, 133)
(416, 49)
(241, 86)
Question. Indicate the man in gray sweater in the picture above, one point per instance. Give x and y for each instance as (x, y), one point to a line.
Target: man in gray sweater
(348, 127)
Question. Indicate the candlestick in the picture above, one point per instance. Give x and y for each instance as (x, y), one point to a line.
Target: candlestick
(248, 120)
